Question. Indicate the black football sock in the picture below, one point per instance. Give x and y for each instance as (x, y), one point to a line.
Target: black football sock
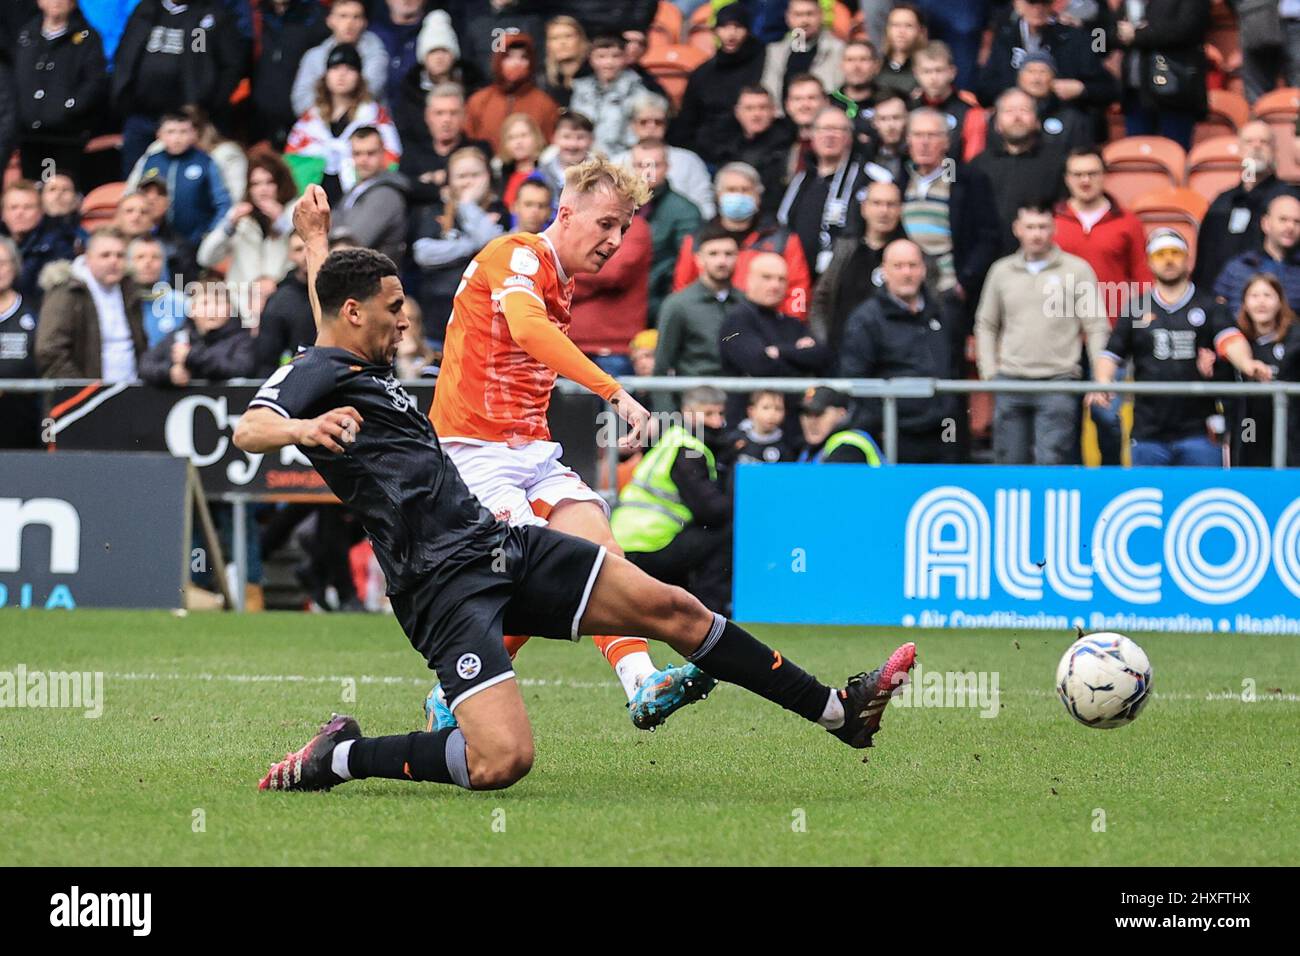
(438, 757)
(732, 654)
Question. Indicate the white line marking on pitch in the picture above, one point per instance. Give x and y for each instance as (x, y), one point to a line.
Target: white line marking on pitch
(1220, 696)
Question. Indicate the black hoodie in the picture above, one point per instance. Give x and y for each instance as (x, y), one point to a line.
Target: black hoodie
(707, 116)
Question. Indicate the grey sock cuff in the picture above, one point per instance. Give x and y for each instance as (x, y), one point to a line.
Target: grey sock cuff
(457, 764)
(715, 632)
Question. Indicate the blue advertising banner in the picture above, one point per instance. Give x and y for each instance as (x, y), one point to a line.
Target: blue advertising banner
(1141, 549)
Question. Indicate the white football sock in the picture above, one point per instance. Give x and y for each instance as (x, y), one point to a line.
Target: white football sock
(832, 717)
(339, 759)
(632, 670)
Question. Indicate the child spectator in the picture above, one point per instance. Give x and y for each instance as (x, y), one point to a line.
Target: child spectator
(199, 199)
(605, 94)
(159, 68)
(764, 439)
(211, 345)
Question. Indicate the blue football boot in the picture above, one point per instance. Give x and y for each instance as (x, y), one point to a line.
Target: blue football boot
(437, 715)
(666, 691)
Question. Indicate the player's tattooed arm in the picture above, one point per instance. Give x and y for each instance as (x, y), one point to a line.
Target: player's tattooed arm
(311, 220)
(262, 430)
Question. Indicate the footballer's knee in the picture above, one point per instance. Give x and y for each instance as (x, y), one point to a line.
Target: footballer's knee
(503, 766)
(679, 616)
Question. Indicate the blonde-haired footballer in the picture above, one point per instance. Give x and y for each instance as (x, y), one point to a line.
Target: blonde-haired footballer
(506, 341)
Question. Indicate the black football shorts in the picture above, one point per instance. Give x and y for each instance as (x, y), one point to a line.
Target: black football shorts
(538, 584)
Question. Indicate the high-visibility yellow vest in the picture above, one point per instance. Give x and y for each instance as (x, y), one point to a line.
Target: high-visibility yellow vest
(859, 440)
(650, 512)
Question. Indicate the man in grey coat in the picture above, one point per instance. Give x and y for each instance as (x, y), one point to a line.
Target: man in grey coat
(373, 211)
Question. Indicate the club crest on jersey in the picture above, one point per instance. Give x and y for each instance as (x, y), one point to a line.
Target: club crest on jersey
(396, 394)
(524, 261)
(1196, 317)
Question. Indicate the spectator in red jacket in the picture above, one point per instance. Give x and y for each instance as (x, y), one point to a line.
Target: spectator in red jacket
(740, 191)
(609, 306)
(1092, 226)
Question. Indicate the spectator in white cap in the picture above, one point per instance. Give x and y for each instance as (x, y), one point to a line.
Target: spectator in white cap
(1164, 344)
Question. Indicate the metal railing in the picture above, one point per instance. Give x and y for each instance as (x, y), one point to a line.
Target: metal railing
(889, 391)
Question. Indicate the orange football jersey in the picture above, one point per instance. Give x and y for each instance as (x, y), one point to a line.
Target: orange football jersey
(489, 388)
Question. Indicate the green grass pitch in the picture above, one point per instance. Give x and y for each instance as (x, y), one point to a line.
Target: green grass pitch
(195, 708)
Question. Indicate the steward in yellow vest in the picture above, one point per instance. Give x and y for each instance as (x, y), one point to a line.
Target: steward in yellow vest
(673, 519)
(823, 416)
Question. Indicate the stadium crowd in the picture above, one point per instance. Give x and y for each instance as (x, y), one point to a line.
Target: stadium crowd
(867, 190)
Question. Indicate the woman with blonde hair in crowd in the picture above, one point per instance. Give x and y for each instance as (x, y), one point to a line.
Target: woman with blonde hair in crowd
(254, 235)
(522, 143)
(1269, 324)
(566, 53)
(343, 105)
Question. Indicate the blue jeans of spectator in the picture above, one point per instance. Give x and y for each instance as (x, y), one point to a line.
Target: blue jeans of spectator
(1034, 428)
(616, 365)
(137, 133)
(1196, 450)
(688, 6)
(1260, 68)
(1173, 124)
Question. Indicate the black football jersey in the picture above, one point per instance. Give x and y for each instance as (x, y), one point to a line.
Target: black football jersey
(414, 505)
(1162, 344)
(18, 341)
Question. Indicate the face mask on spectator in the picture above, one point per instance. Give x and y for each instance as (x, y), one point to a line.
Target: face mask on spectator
(737, 205)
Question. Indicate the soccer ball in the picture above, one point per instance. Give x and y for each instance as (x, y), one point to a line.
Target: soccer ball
(1104, 680)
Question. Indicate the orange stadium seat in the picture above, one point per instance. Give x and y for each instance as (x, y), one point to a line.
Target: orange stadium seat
(1214, 165)
(672, 66)
(1136, 165)
(1278, 109)
(666, 28)
(100, 205)
(1180, 208)
(1228, 113)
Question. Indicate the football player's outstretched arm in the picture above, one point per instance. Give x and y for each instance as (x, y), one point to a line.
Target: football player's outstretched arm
(261, 430)
(539, 337)
(311, 220)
